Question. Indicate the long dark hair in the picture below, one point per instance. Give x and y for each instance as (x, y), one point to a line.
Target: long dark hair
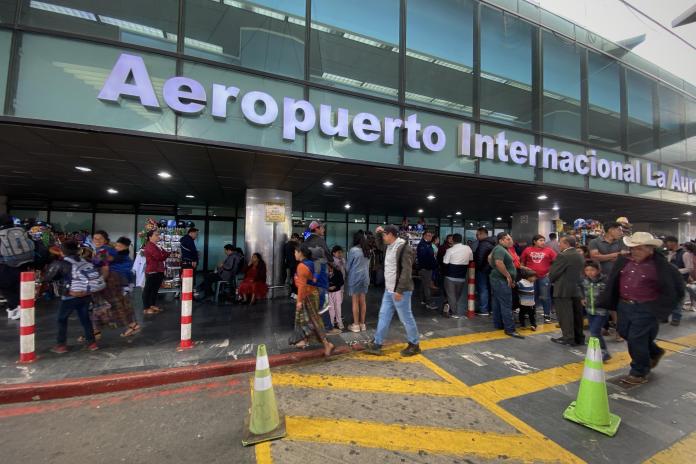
(359, 240)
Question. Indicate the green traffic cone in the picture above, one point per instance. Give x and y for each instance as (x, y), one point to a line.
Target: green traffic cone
(265, 422)
(591, 408)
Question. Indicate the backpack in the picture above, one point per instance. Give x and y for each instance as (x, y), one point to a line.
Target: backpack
(84, 278)
(16, 248)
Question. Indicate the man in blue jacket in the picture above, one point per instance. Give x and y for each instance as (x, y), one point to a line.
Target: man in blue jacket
(189, 253)
(426, 265)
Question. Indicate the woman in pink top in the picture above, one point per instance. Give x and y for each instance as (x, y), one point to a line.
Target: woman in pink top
(154, 271)
(539, 257)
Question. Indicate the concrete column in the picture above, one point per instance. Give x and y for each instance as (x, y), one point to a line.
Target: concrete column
(265, 237)
(527, 224)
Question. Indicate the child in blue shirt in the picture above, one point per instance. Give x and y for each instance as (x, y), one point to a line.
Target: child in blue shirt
(525, 291)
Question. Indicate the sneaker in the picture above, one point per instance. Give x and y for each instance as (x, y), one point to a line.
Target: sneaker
(374, 349)
(483, 314)
(446, 308)
(334, 331)
(411, 350)
(59, 349)
(293, 296)
(547, 320)
(363, 327)
(675, 323)
(634, 380)
(533, 328)
(13, 314)
(455, 316)
(514, 334)
(431, 306)
(605, 356)
(93, 346)
(354, 328)
(655, 360)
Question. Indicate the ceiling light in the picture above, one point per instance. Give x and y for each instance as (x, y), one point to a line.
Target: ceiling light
(675, 219)
(164, 174)
(112, 191)
(498, 218)
(555, 208)
(190, 196)
(347, 206)
(327, 183)
(83, 169)
(449, 215)
(458, 213)
(688, 213)
(430, 197)
(542, 197)
(420, 211)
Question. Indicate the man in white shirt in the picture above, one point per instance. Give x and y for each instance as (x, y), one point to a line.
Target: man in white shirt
(456, 263)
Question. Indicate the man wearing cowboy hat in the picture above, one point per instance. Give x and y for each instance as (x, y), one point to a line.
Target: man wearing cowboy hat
(643, 287)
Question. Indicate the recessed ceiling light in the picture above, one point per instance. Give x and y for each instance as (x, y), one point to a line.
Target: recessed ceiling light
(688, 213)
(327, 183)
(542, 197)
(347, 206)
(112, 191)
(458, 213)
(449, 215)
(164, 174)
(83, 169)
(675, 219)
(498, 218)
(555, 208)
(430, 197)
(190, 196)
(420, 211)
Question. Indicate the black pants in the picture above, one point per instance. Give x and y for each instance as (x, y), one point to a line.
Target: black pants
(569, 312)
(9, 284)
(639, 326)
(153, 282)
(207, 285)
(528, 311)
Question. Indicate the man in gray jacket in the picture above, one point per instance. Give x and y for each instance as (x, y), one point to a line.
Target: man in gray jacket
(398, 287)
(565, 275)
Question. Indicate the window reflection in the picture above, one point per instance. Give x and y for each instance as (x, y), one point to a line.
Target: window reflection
(149, 23)
(639, 92)
(266, 34)
(691, 130)
(506, 68)
(440, 54)
(355, 45)
(672, 143)
(561, 86)
(604, 96)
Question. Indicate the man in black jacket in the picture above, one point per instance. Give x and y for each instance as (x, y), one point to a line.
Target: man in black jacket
(483, 270)
(565, 275)
(189, 253)
(643, 287)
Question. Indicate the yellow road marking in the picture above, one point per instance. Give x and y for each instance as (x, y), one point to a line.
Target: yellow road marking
(263, 453)
(682, 451)
(538, 441)
(520, 385)
(418, 438)
(368, 384)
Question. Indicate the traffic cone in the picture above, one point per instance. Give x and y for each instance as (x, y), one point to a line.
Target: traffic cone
(592, 406)
(265, 422)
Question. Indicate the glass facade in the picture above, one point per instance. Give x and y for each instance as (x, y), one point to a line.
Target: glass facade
(500, 66)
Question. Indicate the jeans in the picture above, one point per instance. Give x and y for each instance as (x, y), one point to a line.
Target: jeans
(596, 325)
(483, 291)
(454, 291)
(639, 326)
(403, 309)
(677, 311)
(501, 303)
(426, 278)
(81, 305)
(542, 295)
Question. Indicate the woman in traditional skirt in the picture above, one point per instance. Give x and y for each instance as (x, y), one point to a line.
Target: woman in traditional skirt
(307, 318)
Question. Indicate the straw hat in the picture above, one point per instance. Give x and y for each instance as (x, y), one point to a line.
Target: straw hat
(642, 238)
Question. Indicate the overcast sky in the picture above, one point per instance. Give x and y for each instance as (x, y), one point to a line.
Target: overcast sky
(615, 21)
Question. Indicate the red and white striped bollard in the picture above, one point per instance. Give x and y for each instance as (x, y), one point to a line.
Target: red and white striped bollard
(471, 296)
(27, 292)
(186, 309)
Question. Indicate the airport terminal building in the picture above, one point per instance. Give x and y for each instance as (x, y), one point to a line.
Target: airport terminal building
(251, 118)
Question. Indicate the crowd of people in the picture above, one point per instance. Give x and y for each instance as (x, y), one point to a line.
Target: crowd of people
(625, 283)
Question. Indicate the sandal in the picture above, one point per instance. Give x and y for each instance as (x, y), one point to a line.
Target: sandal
(329, 351)
(97, 336)
(156, 309)
(149, 311)
(301, 344)
(132, 330)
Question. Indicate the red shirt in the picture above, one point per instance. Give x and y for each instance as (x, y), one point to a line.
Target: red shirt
(538, 259)
(154, 258)
(638, 281)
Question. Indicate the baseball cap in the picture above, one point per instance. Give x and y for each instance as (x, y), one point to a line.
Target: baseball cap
(314, 225)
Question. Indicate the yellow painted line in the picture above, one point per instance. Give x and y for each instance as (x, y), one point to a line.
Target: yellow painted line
(413, 439)
(682, 451)
(538, 440)
(368, 384)
(520, 385)
(263, 453)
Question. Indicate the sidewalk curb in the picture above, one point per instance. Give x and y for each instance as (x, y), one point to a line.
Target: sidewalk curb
(69, 388)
